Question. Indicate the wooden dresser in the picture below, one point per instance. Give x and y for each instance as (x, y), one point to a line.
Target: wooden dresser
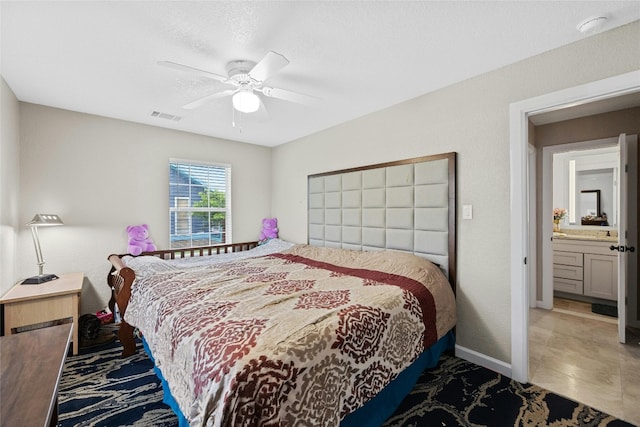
(31, 365)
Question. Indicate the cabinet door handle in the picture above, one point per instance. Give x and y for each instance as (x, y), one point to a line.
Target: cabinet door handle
(622, 248)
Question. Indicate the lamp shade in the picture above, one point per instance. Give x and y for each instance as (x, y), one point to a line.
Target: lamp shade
(246, 101)
(43, 220)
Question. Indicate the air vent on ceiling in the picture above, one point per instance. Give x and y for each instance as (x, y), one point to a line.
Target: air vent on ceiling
(165, 116)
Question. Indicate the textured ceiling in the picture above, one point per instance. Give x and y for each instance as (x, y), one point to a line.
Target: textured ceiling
(357, 56)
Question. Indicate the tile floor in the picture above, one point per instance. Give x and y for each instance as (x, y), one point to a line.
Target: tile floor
(575, 353)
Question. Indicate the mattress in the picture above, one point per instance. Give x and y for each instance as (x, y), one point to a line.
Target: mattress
(306, 334)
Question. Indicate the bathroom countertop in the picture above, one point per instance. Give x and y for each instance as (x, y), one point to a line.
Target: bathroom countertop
(584, 237)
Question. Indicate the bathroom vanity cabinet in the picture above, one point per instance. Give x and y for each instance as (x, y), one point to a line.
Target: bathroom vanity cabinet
(585, 267)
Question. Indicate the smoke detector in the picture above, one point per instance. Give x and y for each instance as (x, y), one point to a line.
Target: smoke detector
(591, 24)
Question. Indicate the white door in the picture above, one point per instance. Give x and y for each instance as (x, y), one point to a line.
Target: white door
(622, 240)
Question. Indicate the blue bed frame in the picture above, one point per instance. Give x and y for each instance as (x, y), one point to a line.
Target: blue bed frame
(375, 412)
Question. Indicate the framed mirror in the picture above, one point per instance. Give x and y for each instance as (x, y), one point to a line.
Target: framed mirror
(590, 203)
(589, 209)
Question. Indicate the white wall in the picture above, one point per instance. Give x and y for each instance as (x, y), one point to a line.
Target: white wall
(9, 194)
(471, 118)
(101, 175)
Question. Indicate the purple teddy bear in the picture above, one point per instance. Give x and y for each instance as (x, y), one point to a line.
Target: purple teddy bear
(269, 229)
(139, 240)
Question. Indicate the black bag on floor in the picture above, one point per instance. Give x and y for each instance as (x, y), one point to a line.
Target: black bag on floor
(89, 326)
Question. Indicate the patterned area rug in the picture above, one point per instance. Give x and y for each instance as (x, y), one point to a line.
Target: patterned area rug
(459, 393)
(100, 389)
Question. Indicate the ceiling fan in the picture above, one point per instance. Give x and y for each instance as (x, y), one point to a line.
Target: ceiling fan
(248, 78)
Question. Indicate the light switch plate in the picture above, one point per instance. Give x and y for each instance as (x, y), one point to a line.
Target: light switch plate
(467, 212)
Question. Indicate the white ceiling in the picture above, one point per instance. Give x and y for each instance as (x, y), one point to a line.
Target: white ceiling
(357, 56)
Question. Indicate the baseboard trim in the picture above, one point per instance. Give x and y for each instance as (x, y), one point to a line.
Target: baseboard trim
(483, 360)
(544, 304)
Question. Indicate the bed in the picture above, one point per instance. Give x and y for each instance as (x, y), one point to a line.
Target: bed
(325, 333)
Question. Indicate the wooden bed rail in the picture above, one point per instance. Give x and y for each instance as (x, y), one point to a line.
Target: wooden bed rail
(121, 277)
(201, 251)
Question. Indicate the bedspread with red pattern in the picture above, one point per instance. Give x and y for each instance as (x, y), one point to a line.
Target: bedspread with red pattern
(302, 337)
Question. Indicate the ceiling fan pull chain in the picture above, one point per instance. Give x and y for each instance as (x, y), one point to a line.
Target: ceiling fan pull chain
(233, 119)
(233, 116)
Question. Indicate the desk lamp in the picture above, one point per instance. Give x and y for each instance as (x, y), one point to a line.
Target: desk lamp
(41, 220)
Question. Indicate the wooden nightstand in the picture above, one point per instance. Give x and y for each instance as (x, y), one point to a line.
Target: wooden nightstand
(31, 304)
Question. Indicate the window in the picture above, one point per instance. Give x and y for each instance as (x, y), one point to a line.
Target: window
(199, 204)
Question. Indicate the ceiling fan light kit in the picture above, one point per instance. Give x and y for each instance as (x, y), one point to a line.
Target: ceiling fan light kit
(246, 101)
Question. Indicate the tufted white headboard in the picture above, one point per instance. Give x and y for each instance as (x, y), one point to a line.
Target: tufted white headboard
(407, 205)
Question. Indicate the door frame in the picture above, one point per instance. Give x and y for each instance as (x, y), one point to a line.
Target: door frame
(546, 245)
(520, 198)
(533, 224)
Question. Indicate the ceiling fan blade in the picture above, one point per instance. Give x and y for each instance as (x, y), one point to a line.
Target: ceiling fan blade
(268, 66)
(197, 71)
(288, 95)
(200, 102)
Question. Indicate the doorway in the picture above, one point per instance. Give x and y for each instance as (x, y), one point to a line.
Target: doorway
(562, 340)
(609, 88)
